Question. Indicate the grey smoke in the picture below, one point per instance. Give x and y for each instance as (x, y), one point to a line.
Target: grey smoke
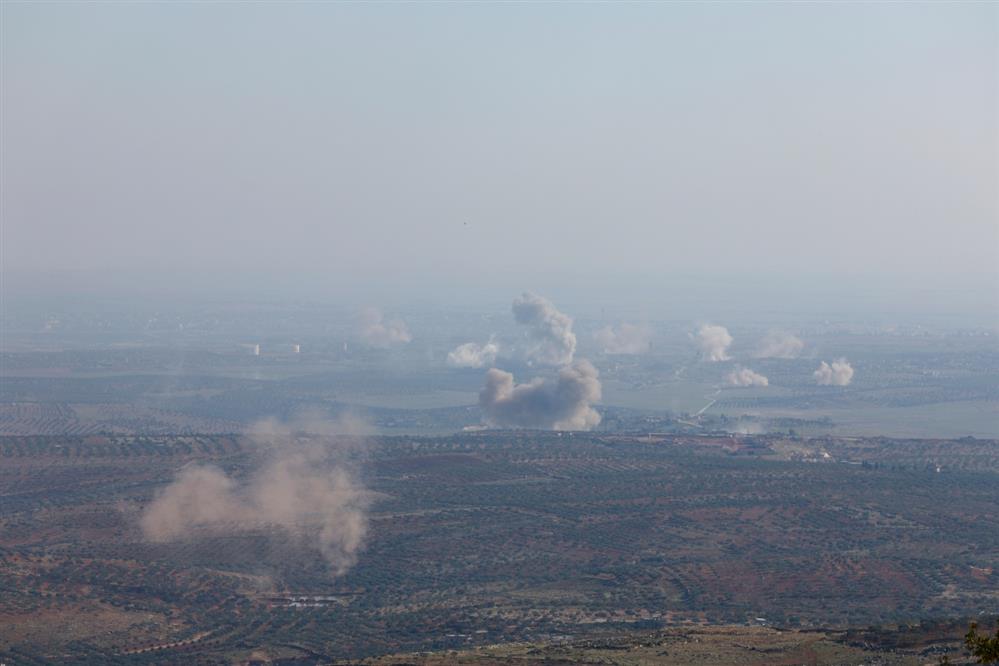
(377, 332)
(838, 373)
(306, 490)
(714, 342)
(779, 344)
(564, 404)
(554, 343)
(473, 355)
(627, 339)
(746, 377)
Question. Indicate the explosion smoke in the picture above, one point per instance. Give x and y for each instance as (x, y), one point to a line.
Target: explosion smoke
(627, 339)
(840, 373)
(555, 343)
(473, 355)
(746, 377)
(306, 490)
(714, 341)
(377, 332)
(779, 344)
(564, 405)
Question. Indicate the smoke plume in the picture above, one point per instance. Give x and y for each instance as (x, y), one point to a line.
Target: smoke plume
(473, 355)
(551, 330)
(377, 332)
(839, 373)
(627, 339)
(541, 404)
(305, 490)
(779, 344)
(746, 377)
(714, 341)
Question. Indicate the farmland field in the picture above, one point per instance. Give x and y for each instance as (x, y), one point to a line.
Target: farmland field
(498, 536)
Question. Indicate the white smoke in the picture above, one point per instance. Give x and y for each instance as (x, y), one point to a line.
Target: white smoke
(551, 330)
(377, 332)
(562, 405)
(305, 490)
(473, 355)
(627, 339)
(746, 377)
(839, 373)
(714, 342)
(779, 344)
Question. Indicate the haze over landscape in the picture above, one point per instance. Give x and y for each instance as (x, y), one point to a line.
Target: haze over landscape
(498, 332)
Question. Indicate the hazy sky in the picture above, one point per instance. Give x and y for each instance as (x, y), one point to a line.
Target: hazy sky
(504, 141)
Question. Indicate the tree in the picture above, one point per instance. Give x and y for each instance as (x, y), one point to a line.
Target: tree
(982, 646)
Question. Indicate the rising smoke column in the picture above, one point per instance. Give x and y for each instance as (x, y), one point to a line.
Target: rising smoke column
(542, 404)
(551, 330)
(305, 491)
(839, 373)
(377, 332)
(473, 355)
(779, 344)
(714, 341)
(627, 339)
(746, 377)
(200, 495)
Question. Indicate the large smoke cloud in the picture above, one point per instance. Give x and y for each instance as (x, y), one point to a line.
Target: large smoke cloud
(839, 373)
(562, 405)
(779, 344)
(377, 332)
(746, 377)
(551, 330)
(306, 491)
(473, 355)
(714, 341)
(627, 339)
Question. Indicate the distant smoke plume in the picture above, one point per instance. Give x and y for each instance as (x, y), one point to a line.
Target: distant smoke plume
(627, 339)
(377, 332)
(305, 490)
(746, 377)
(473, 355)
(551, 331)
(839, 373)
(542, 404)
(778, 344)
(714, 341)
